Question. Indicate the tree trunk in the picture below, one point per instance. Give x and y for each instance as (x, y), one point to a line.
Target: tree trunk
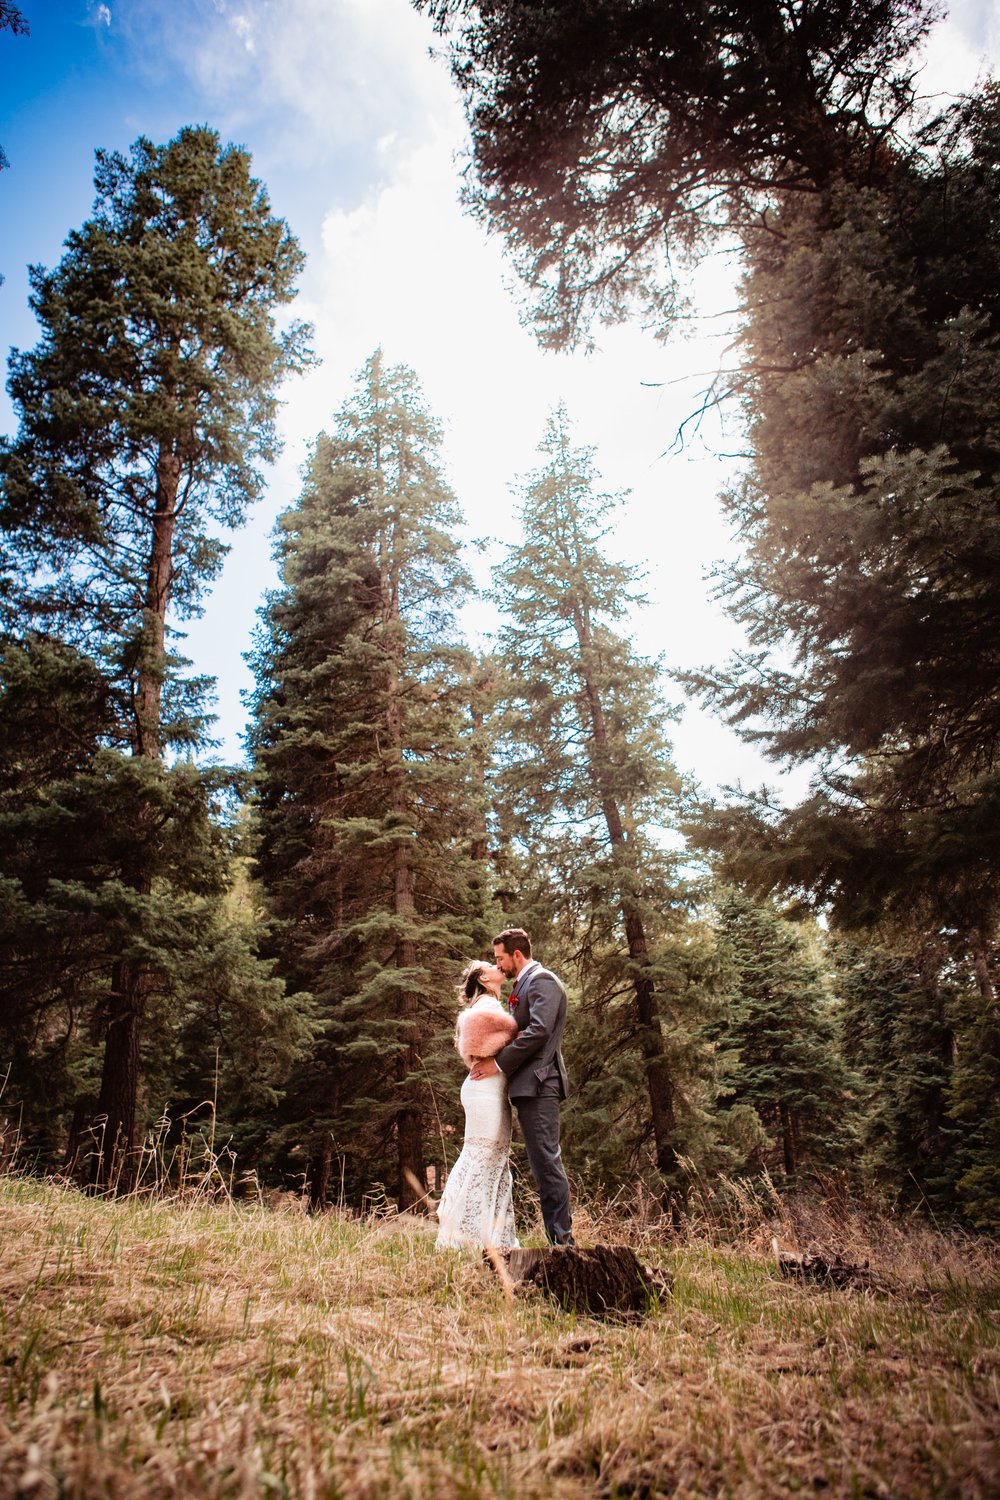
(930, 978)
(131, 983)
(480, 843)
(981, 969)
(409, 1117)
(319, 1175)
(113, 1164)
(79, 1137)
(658, 1080)
(787, 1138)
(152, 659)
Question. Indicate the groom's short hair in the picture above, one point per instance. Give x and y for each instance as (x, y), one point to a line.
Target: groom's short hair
(514, 940)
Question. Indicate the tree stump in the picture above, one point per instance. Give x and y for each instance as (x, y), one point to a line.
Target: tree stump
(605, 1281)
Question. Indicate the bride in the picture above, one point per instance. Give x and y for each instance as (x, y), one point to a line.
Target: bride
(476, 1208)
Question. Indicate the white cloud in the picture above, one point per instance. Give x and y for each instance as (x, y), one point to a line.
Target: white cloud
(328, 76)
(407, 269)
(962, 49)
(400, 265)
(244, 29)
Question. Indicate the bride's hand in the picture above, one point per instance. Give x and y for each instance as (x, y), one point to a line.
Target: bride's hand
(483, 1067)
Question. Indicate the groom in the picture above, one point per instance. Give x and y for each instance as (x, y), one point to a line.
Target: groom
(536, 1073)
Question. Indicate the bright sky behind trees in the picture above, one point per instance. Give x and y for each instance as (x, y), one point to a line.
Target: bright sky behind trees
(354, 128)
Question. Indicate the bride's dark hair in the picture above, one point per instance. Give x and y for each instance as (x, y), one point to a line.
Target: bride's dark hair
(470, 986)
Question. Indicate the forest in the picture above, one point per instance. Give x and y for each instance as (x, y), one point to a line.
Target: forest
(255, 965)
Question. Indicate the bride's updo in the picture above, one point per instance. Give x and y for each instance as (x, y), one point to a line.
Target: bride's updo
(470, 986)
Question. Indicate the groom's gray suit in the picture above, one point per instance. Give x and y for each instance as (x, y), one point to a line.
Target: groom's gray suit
(537, 1084)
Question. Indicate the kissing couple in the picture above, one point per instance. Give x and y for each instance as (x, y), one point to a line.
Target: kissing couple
(513, 1053)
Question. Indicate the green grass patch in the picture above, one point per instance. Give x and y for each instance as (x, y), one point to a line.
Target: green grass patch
(154, 1349)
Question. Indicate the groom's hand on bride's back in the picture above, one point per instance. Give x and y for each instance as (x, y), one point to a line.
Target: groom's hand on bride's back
(483, 1068)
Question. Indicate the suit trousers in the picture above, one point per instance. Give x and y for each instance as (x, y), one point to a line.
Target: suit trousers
(538, 1118)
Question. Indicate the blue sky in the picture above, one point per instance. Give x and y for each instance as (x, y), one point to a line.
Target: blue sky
(101, 74)
(68, 87)
(355, 130)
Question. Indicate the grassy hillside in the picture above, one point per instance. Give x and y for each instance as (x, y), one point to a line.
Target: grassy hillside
(156, 1349)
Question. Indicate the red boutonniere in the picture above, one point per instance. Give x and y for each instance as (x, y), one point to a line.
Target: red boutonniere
(511, 1000)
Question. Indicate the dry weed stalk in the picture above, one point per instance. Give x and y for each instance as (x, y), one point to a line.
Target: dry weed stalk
(196, 1345)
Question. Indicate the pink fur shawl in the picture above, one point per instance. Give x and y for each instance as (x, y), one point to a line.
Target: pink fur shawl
(483, 1028)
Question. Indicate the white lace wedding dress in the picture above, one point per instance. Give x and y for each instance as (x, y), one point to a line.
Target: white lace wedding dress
(476, 1207)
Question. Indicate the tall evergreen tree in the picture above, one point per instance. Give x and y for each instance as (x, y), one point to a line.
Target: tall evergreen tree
(899, 1027)
(217, 1024)
(778, 1029)
(368, 808)
(925, 1039)
(869, 586)
(586, 777)
(145, 412)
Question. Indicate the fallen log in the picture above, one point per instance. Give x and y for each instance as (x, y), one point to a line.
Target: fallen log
(835, 1272)
(605, 1281)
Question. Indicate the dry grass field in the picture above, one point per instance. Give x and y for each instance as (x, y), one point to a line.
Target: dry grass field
(163, 1348)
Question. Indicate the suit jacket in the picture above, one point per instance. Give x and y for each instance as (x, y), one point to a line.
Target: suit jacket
(535, 1053)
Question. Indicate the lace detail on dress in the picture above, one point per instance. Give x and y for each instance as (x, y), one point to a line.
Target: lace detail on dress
(476, 1207)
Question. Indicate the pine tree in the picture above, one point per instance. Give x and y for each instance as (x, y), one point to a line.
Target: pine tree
(868, 588)
(924, 1036)
(779, 1033)
(368, 810)
(585, 779)
(54, 712)
(900, 1013)
(145, 411)
(870, 340)
(218, 1025)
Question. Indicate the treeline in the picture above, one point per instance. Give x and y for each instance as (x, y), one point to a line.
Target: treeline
(269, 953)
